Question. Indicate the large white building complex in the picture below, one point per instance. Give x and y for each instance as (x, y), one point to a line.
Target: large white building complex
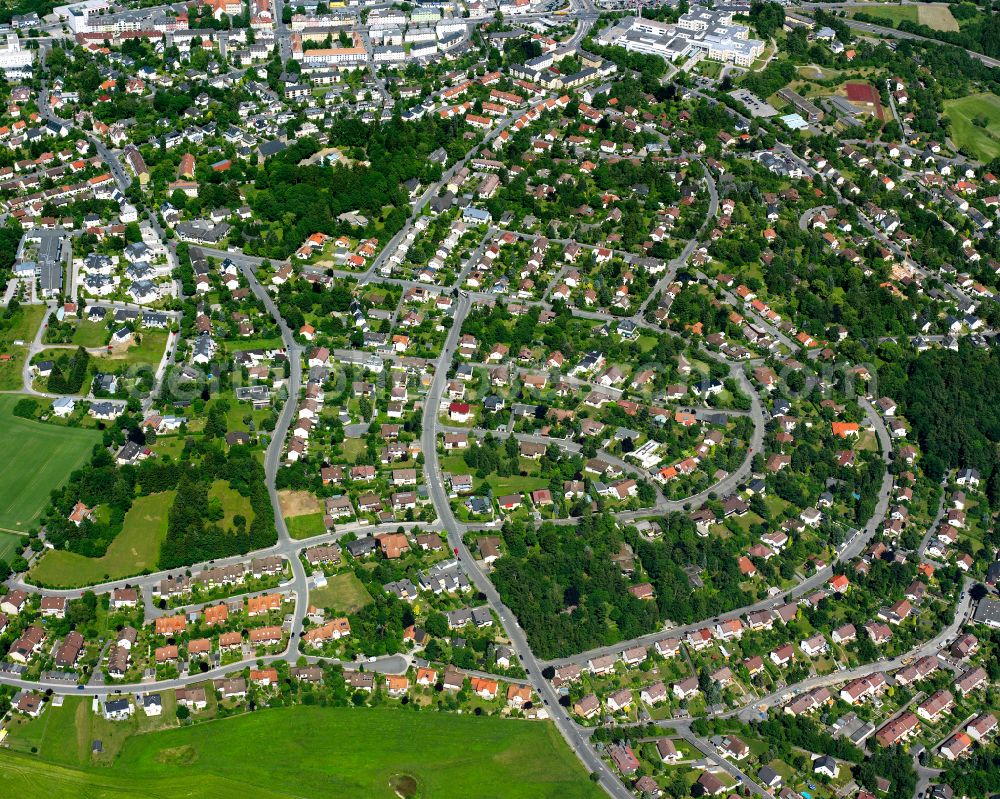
(710, 32)
(13, 58)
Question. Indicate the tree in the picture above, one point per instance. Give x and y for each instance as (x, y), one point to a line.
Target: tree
(437, 625)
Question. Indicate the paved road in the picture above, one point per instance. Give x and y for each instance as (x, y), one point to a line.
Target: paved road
(566, 726)
(393, 664)
(272, 459)
(892, 33)
(963, 611)
(848, 550)
(684, 730)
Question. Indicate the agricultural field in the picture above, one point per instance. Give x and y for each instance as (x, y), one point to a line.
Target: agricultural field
(136, 548)
(39, 457)
(300, 752)
(937, 16)
(982, 139)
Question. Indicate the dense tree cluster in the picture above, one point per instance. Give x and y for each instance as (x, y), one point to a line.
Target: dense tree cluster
(192, 535)
(948, 398)
(774, 76)
(767, 18)
(102, 484)
(69, 372)
(569, 593)
(895, 765)
(565, 589)
(294, 199)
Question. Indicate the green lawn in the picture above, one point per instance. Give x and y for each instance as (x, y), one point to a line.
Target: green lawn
(90, 334)
(305, 526)
(239, 411)
(147, 353)
(23, 325)
(240, 345)
(646, 343)
(343, 592)
(352, 448)
(515, 484)
(136, 548)
(150, 350)
(983, 143)
(37, 459)
(455, 464)
(306, 752)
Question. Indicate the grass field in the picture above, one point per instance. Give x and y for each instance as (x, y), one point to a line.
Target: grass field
(937, 16)
(11, 545)
(343, 592)
(137, 547)
(240, 345)
(304, 752)
(305, 526)
(90, 334)
(20, 327)
(150, 350)
(894, 13)
(232, 501)
(983, 143)
(24, 325)
(37, 459)
(303, 513)
(515, 484)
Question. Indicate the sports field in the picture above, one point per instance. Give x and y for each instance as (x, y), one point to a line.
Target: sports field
(981, 140)
(37, 458)
(137, 547)
(302, 752)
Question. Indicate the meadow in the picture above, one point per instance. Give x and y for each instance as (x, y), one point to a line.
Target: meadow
(300, 752)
